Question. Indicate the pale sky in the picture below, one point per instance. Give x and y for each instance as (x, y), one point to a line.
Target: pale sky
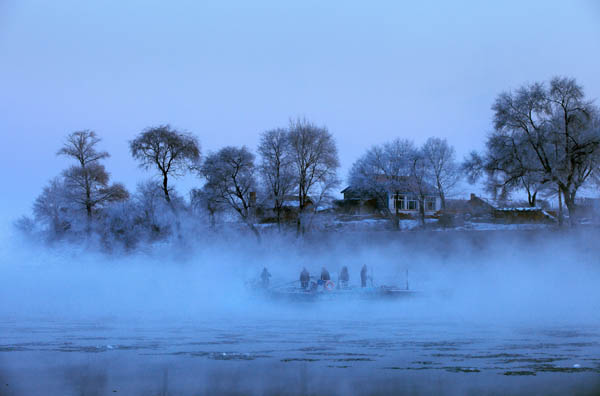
(227, 70)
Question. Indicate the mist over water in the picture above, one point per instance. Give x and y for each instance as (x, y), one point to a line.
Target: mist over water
(481, 276)
(490, 301)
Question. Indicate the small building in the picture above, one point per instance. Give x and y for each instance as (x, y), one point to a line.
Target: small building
(482, 210)
(290, 209)
(523, 215)
(475, 207)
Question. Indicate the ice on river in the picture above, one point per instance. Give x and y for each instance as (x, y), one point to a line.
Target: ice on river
(295, 356)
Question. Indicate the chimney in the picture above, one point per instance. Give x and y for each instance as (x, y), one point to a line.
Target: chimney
(252, 202)
(473, 196)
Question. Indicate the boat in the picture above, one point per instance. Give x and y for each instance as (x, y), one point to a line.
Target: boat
(318, 291)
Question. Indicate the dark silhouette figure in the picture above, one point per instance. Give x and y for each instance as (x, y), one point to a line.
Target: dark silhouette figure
(344, 277)
(363, 276)
(325, 275)
(304, 278)
(264, 277)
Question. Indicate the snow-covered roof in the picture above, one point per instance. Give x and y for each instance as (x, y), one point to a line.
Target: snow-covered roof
(521, 209)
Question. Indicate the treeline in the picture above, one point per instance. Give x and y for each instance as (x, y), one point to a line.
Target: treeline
(545, 142)
(300, 160)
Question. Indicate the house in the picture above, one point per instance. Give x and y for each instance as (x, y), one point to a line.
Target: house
(290, 209)
(402, 199)
(480, 209)
(475, 207)
(523, 215)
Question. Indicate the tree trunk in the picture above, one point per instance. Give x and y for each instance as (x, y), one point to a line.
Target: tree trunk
(531, 199)
(422, 211)
(278, 214)
(571, 208)
(166, 188)
(299, 230)
(213, 222)
(443, 199)
(560, 209)
(88, 204)
(298, 225)
(397, 215)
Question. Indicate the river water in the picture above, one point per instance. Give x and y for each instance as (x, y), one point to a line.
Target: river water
(295, 356)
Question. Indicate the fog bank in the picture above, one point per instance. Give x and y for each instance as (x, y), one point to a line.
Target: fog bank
(514, 277)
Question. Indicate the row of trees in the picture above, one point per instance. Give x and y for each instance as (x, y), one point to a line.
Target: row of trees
(301, 159)
(546, 140)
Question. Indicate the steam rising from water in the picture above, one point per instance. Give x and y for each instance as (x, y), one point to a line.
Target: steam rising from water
(487, 277)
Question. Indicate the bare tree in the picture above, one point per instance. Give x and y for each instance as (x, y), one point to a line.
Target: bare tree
(206, 199)
(419, 180)
(87, 182)
(560, 128)
(152, 207)
(383, 172)
(172, 152)
(440, 158)
(276, 168)
(508, 165)
(230, 179)
(52, 208)
(314, 154)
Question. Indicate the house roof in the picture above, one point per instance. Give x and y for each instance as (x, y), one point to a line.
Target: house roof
(400, 184)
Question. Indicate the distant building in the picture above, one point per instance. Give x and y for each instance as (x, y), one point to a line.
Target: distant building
(475, 207)
(290, 209)
(480, 209)
(403, 200)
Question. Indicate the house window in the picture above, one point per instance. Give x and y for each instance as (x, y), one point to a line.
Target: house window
(412, 204)
(400, 201)
(430, 203)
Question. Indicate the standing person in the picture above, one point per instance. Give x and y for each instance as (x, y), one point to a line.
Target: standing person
(344, 277)
(325, 275)
(264, 277)
(304, 278)
(363, 276)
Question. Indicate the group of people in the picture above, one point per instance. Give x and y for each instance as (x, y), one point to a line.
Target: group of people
(343, 279)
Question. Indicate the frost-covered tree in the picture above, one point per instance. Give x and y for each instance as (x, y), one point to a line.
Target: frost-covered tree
(314, 155)
(171, 152)
(230, 179)
(440, 158)
(508, 165)
(383, 171)
(419, 181)
(52, 208)
(558, 127)
(153, 211)
(276, 168)
(207, 200)
(87, 182)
